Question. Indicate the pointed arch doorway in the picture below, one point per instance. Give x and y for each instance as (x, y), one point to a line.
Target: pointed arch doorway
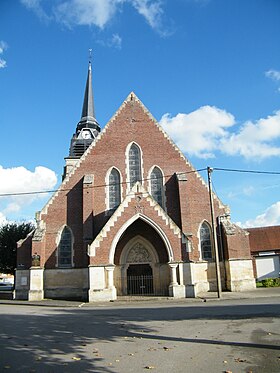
(140, 279)
(141, 262)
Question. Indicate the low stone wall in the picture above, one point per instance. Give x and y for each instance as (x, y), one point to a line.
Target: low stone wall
(240, 275)
(200, 277)
(69, 283)
(22, 284)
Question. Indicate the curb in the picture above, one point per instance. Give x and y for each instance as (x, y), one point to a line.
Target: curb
(205, 297)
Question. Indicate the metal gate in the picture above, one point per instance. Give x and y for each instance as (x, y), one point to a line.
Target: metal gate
(140, 285)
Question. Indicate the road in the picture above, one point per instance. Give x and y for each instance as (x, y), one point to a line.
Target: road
(162, 336)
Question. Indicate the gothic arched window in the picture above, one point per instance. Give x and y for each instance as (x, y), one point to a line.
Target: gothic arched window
(134, 158)
(205, 242)
(157, 185)
(65, 248)
(114, 189)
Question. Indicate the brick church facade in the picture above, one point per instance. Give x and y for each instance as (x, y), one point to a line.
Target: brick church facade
(131, 217)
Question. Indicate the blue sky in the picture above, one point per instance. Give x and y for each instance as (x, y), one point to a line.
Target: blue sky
(208, 70)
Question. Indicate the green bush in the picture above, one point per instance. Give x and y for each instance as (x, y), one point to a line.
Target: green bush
(268, 283)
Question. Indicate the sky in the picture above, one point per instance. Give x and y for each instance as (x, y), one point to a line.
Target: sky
(207, 70)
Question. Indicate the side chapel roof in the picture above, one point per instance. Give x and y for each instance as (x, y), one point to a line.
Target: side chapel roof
(264, 238)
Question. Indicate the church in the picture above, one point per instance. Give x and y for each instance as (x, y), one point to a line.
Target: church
(131, 217)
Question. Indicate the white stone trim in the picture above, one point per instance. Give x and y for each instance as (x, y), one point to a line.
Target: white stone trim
(129, 98)
(148, 221)
(36, 284)
(137, 188)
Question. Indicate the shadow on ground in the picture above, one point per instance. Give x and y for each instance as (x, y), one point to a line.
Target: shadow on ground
(43, 339)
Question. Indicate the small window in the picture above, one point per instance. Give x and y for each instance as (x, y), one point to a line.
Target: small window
(134, 164)
(114, 189)
(65, 248)
(157, 185)
(205, 242)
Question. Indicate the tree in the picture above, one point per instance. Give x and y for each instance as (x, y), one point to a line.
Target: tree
(10, 234)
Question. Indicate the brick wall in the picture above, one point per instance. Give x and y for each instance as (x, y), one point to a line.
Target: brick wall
(187, 204)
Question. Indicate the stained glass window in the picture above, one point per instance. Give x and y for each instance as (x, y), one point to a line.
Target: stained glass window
(205, 242)
(134, 164)
(114, 189)
(65, 248)
(157, 185)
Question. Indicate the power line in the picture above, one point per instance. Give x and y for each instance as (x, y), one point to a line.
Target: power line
(93, 186)
(247, 171)
(146, 179)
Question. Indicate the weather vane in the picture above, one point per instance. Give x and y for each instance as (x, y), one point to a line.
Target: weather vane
(90, 55)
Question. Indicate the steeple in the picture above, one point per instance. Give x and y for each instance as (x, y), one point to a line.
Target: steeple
(88, 116)
(88, 128)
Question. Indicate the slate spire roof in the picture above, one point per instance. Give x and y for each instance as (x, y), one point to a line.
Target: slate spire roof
(88, 115)
(88, 128)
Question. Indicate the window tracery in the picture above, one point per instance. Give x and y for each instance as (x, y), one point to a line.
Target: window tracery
(157, 185)
(205, 242)
(65, 248)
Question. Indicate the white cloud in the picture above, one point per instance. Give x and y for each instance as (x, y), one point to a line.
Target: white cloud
(100, 12)
(152, 12)
(3, 63)
(271, 216)
(254, 140)
(3, 47)
(209, 129)
(198, 133)
(273, 74)
(115, 42)
(97, 12)
(20, 180)
(37, 8)
(86, 12)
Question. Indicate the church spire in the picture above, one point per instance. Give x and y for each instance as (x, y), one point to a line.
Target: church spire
(88, 106)
(88, 128)
(88, 116)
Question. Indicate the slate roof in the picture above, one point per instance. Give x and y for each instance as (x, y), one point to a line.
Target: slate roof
(88, 114)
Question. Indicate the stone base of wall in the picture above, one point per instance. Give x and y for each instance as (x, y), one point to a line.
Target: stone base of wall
(67, 294)
(177, 291)
(92, 284)
(100, 288)
(200, 277)
(35, 295)
(242, 285)
(102, 295)
(70, 284)
(37, 284)
(21, 294)
(240, 275)
(22, 284)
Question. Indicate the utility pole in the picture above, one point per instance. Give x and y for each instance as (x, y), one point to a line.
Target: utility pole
(214, 236)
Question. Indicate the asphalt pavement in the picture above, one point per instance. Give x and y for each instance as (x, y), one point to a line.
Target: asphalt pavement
(209, 296)
(239, 333)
